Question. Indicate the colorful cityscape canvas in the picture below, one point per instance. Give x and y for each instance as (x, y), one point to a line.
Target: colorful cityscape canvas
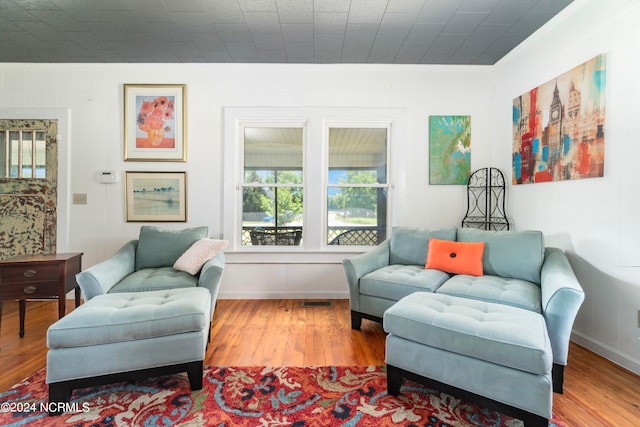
(559, 127)
(449, 149)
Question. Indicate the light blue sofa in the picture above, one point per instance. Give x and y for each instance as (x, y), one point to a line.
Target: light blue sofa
(519, 271)
(146, 264)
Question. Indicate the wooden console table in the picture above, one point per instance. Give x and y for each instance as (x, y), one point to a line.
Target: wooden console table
(41, 276)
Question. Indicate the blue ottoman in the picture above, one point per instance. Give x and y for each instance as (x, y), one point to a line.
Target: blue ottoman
(492, 354)
(127, 336)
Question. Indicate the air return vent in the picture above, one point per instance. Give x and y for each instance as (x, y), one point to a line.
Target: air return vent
(313, 304)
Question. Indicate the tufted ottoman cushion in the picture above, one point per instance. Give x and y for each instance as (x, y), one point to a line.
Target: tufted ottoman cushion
(119, 317)
(495, 333)
(125, 336)
(490, 350)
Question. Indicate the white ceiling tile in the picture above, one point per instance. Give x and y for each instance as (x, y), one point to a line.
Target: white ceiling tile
(329, 22)
(397, 22)
(367, 11)
(438, 10)
(295, 11)
(464, 23)
(257, 5)
(405, 6)
(262, 22)
(331, 5)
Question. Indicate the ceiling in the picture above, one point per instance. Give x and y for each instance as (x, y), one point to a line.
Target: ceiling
(268, 31)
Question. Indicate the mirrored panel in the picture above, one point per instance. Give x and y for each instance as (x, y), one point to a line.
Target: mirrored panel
(23, 154)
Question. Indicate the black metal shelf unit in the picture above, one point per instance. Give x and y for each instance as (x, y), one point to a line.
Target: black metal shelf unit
(486, 201)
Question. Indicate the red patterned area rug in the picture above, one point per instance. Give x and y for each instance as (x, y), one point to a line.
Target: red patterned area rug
(251, 396)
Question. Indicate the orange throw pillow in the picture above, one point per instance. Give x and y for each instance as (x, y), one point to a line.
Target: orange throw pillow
(455, 257)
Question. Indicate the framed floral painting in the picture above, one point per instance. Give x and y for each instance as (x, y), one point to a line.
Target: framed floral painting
(155, 122)
(156, 196)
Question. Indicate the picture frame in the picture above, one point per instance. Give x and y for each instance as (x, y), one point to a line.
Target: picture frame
(155, 122)
(559, 127)
(449, 150)
(156, 196)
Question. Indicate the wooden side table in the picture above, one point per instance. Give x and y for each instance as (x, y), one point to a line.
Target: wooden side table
(40, 276)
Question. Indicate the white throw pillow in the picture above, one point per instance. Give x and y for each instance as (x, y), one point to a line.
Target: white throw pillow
(192, 260)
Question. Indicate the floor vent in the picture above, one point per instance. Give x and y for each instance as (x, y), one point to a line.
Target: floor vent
(312, 304)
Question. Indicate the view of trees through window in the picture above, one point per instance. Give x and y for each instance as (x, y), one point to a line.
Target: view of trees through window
(357, 183)
(355, 187)
(271, 205)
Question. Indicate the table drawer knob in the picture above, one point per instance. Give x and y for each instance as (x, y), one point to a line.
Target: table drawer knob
(29, 289)
(30, 273)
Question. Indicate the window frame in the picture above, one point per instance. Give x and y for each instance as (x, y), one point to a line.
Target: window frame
(315, 122)
(242, 184)
(355, 124)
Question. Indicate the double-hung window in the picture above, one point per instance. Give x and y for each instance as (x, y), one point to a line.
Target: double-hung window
(357, 185)
(310, 179)
(272, 185)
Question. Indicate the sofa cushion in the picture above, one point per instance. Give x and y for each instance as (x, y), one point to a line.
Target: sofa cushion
(158, 247)
(410, 245)
(154, 279)
(455, 257)
(502, 290)
(396, 281)
(514, 254)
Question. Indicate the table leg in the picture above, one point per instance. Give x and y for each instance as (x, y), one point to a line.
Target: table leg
(62, 299)
(77, 295)
(23, 305)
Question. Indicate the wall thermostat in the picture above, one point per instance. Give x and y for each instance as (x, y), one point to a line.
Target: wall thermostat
(107, 177)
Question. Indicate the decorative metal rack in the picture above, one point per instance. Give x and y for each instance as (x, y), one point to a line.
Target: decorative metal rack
(486, 200)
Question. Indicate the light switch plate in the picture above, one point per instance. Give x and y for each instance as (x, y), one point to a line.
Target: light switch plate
(79, 198)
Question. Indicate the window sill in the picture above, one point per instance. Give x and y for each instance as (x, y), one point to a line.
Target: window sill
(281, 255)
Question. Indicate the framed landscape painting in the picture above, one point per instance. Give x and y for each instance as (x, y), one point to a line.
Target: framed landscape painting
(155, 122)
(156, 196)
(449, 149)
(559, 127)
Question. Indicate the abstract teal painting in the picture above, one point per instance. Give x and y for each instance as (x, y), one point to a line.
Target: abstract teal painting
(449, 149)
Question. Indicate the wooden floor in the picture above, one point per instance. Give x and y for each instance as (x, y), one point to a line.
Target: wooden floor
(283, 333)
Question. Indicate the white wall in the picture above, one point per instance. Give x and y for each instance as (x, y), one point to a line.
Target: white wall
(93, 94)
(595, 220)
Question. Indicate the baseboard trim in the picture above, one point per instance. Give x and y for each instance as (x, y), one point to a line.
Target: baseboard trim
(284, 295)
(623, 360)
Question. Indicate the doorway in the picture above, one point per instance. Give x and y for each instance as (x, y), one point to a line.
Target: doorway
(28, 186)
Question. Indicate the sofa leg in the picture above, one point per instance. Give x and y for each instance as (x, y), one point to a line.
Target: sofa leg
(194, 372)
(394, 380)
(557, 376)
(356, 320)
(59, 394)
(535, 421)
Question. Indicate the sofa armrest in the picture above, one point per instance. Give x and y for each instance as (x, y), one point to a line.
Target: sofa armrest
(562, 296)
(99, 278)
(211, 276)
(359, 265)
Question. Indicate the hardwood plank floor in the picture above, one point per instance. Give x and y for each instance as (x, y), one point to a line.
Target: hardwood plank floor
(284, 333)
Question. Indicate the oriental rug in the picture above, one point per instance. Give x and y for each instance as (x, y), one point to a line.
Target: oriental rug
(251, 396)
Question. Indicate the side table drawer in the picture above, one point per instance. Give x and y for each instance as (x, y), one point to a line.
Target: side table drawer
(29, 273)
(29, 290)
